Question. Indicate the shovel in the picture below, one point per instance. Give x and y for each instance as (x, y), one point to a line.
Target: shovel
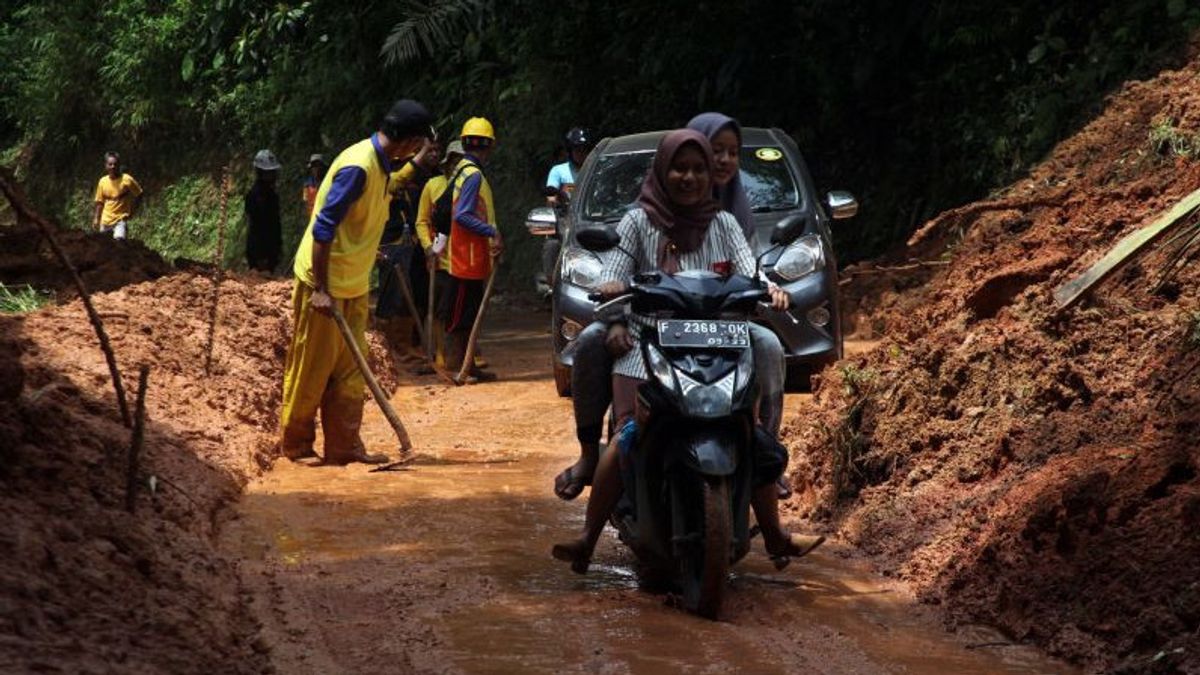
(376, 390)
(410, 301)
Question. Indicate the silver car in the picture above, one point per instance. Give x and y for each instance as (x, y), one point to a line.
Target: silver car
(778, 186)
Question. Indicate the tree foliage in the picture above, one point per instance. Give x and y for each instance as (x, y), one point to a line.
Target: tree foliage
(914, 106)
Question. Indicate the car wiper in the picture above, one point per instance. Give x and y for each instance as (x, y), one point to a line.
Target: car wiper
(773, 207)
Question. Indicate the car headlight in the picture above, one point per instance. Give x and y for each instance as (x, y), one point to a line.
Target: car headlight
(801, 257)
(581, 268)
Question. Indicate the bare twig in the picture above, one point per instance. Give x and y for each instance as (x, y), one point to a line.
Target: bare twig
(135, 445)
(19, 204)
(957, 216)
(218, 271)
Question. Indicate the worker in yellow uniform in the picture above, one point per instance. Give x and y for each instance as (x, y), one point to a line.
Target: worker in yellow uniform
(474, 241)
(433, 233)
(118, 196)
(333, 269)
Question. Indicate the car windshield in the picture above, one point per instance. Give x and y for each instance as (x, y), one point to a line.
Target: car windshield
(766, 177)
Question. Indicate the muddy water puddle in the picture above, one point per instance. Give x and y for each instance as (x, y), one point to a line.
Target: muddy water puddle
(445, 566)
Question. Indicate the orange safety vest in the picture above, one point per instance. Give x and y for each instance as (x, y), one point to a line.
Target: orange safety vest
(470, 253)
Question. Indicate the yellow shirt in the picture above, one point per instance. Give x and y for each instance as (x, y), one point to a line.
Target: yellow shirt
(352, 251)
(118, 197)
(429, 195)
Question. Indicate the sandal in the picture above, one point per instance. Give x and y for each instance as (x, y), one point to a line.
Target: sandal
(576, 553)
(797, 546)
(568, 485)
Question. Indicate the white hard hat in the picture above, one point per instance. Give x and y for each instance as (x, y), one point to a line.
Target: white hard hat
(265, 161)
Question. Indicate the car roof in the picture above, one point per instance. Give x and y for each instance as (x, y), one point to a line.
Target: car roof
(646, 141)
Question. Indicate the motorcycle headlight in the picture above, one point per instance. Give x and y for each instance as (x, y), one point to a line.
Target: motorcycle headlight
(708, 400)
(660, 367)
(801, 257)
(581, 268)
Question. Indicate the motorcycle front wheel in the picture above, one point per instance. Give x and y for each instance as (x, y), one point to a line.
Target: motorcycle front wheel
(705, 565)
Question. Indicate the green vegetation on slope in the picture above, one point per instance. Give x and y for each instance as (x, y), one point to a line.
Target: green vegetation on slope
(913, 106)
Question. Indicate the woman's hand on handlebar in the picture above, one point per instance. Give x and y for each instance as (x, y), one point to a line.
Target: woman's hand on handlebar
(608, 290)
(780, 300)
(618, 341)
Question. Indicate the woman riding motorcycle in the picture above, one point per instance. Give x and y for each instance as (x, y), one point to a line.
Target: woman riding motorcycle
(678, 226)
(591, 394)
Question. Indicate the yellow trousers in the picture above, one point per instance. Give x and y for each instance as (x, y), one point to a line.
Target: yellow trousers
(320, 374)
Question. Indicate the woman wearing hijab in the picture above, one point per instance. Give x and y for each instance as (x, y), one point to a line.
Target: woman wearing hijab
(725, 135)
(677, 226)
(592, 363)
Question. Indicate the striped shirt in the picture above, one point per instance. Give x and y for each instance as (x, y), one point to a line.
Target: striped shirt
(724, 244)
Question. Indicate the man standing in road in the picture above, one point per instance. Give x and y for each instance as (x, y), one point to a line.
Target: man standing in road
(263, 229)
(333, 270)
(117, 198)
(474, 241)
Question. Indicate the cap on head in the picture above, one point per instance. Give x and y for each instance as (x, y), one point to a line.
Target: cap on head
(407, 119)
(316, 158)
(453, 148)
(265, 161)
(477, 132)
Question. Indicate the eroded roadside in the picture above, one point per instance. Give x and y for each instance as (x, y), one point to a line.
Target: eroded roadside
(445, 567)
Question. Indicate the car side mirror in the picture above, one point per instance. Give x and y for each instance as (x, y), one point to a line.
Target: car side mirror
(541, 222)
(842, 205)
(598, 239)
(788, 229)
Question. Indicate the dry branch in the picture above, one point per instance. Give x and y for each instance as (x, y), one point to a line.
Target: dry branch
(956, 216)
(19, 204)
(135, 444)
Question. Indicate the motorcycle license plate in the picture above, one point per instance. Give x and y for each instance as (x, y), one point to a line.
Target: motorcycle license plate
(704, 334)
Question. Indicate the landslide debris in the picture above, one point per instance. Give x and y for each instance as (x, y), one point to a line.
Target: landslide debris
(85, 586)
(1035, 470)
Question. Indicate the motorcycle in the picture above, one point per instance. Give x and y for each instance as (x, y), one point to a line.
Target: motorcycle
(685, 510)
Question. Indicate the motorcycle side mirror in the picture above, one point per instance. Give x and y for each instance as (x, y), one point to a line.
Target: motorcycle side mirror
(842, 205)
(598, 239)
(788, 229)
(541, 222)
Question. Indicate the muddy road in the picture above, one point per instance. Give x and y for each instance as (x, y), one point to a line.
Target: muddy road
(445, 567)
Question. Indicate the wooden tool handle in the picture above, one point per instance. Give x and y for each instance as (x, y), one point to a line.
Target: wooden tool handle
(376, 390)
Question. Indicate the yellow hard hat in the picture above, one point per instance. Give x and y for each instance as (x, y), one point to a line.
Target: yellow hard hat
(478, 127)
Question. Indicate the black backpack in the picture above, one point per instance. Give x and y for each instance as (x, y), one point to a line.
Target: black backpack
(445, 203)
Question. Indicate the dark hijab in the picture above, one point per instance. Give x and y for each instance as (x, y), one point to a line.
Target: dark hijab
(732, 196)
(685, 226)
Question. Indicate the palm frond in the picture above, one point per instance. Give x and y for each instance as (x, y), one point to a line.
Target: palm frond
(430, 26)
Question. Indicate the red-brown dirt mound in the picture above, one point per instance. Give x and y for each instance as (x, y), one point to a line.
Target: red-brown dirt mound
(1034, 469)
(84, 585)
(104, 263)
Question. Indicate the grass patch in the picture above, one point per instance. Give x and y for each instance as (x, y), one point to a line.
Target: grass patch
(850, 446)
(1166, 138)
(22, 299)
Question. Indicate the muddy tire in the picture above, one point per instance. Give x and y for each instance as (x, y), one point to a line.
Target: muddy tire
(706, 566)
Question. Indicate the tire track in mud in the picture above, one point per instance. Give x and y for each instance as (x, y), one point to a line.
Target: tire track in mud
(445, 566)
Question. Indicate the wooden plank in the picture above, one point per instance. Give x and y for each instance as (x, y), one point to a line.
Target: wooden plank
(1072, 291)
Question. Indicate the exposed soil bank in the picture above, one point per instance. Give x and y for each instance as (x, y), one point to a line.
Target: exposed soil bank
(1031, 469)
(84, 585)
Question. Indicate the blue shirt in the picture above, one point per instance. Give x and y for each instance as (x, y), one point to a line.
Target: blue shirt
(346, 188)
(464, 208)
(560, 175)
